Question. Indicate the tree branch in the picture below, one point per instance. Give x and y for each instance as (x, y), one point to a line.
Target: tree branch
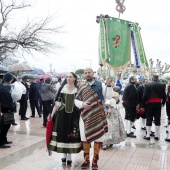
(32, 37)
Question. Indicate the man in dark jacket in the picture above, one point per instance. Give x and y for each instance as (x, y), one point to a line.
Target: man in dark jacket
(168, 102)
(153, 98)
(7, 106)
(33, 97)
(140, 90)
(23, 101)
(168, 111)
(130, 102)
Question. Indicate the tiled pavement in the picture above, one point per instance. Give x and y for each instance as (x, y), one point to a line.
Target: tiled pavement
(28, 150)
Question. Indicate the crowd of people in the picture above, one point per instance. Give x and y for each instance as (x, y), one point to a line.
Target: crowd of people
(88, 111)
(40, 96)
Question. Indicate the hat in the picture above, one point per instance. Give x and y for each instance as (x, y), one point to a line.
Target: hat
(8, 77)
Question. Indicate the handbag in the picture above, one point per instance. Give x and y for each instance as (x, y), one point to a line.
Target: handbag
(8, 118)
(140, 111)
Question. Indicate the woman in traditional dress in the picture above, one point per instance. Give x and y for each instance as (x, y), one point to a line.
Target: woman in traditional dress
(66, 134)
(116, 131)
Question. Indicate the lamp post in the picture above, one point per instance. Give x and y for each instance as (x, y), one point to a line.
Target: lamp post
(89, 61)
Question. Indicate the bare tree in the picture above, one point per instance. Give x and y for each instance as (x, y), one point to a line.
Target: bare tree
(32, 37)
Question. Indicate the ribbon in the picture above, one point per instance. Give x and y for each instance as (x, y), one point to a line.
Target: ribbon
(135, 49)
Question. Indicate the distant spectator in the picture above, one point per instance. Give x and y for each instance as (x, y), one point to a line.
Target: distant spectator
(79, 82)
(34, 95)
(40, 100)
(164, 83)
(47, 93)
(118, 83)
(113, 83)
(59, 83)
(23, 101)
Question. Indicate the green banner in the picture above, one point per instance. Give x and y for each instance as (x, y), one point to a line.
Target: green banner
(141, 51)
(103, 46)
(115, 41)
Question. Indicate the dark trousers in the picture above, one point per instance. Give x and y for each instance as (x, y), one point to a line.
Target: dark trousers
(130, 111)
(23, 108)
(41, 104)
(46, 110)
(143, 116)
(34, 104)
(153, 110)
(168, 111)
(3, 132)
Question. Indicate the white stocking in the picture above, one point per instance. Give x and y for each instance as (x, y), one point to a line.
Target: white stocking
(68, 157)
(157, 131)
(129, 126)
(143, 123)
(126, 124)
(168, 128)
(148, 129)
(64, 155)
(133, 123)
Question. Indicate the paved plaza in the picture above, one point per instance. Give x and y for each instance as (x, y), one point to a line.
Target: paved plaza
(28, 151)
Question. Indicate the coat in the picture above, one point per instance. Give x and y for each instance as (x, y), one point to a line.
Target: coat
(34, 92)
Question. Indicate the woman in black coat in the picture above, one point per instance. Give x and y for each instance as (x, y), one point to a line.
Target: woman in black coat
(7, 106)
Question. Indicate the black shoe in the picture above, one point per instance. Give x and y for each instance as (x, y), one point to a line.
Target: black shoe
(39, 115)
(63, 159)
(167, 131)
(24, 118)
(5, 146)
(14, 124)
(8, 142)
(69, 162)
(133, 127)
(143, 128)
(146, 138)
(152, 133)
(131, 135)
(166, 126)
(32, 116)
(167, 140)
(156, 138)
(104, 147)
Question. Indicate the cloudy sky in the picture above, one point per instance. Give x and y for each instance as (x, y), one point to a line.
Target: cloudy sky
(80, 40)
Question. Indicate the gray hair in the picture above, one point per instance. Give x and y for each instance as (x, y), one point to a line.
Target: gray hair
(48, 80)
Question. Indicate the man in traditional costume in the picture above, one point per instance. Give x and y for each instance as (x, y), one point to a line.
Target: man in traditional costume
(154, 97)
(141, 114)
(168, 111)
(93, 124)
(130, 103)
(168, 108)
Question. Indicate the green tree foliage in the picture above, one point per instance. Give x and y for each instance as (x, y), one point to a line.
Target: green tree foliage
(80, 72)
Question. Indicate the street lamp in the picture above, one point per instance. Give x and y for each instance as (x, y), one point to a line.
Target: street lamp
(89, 61)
